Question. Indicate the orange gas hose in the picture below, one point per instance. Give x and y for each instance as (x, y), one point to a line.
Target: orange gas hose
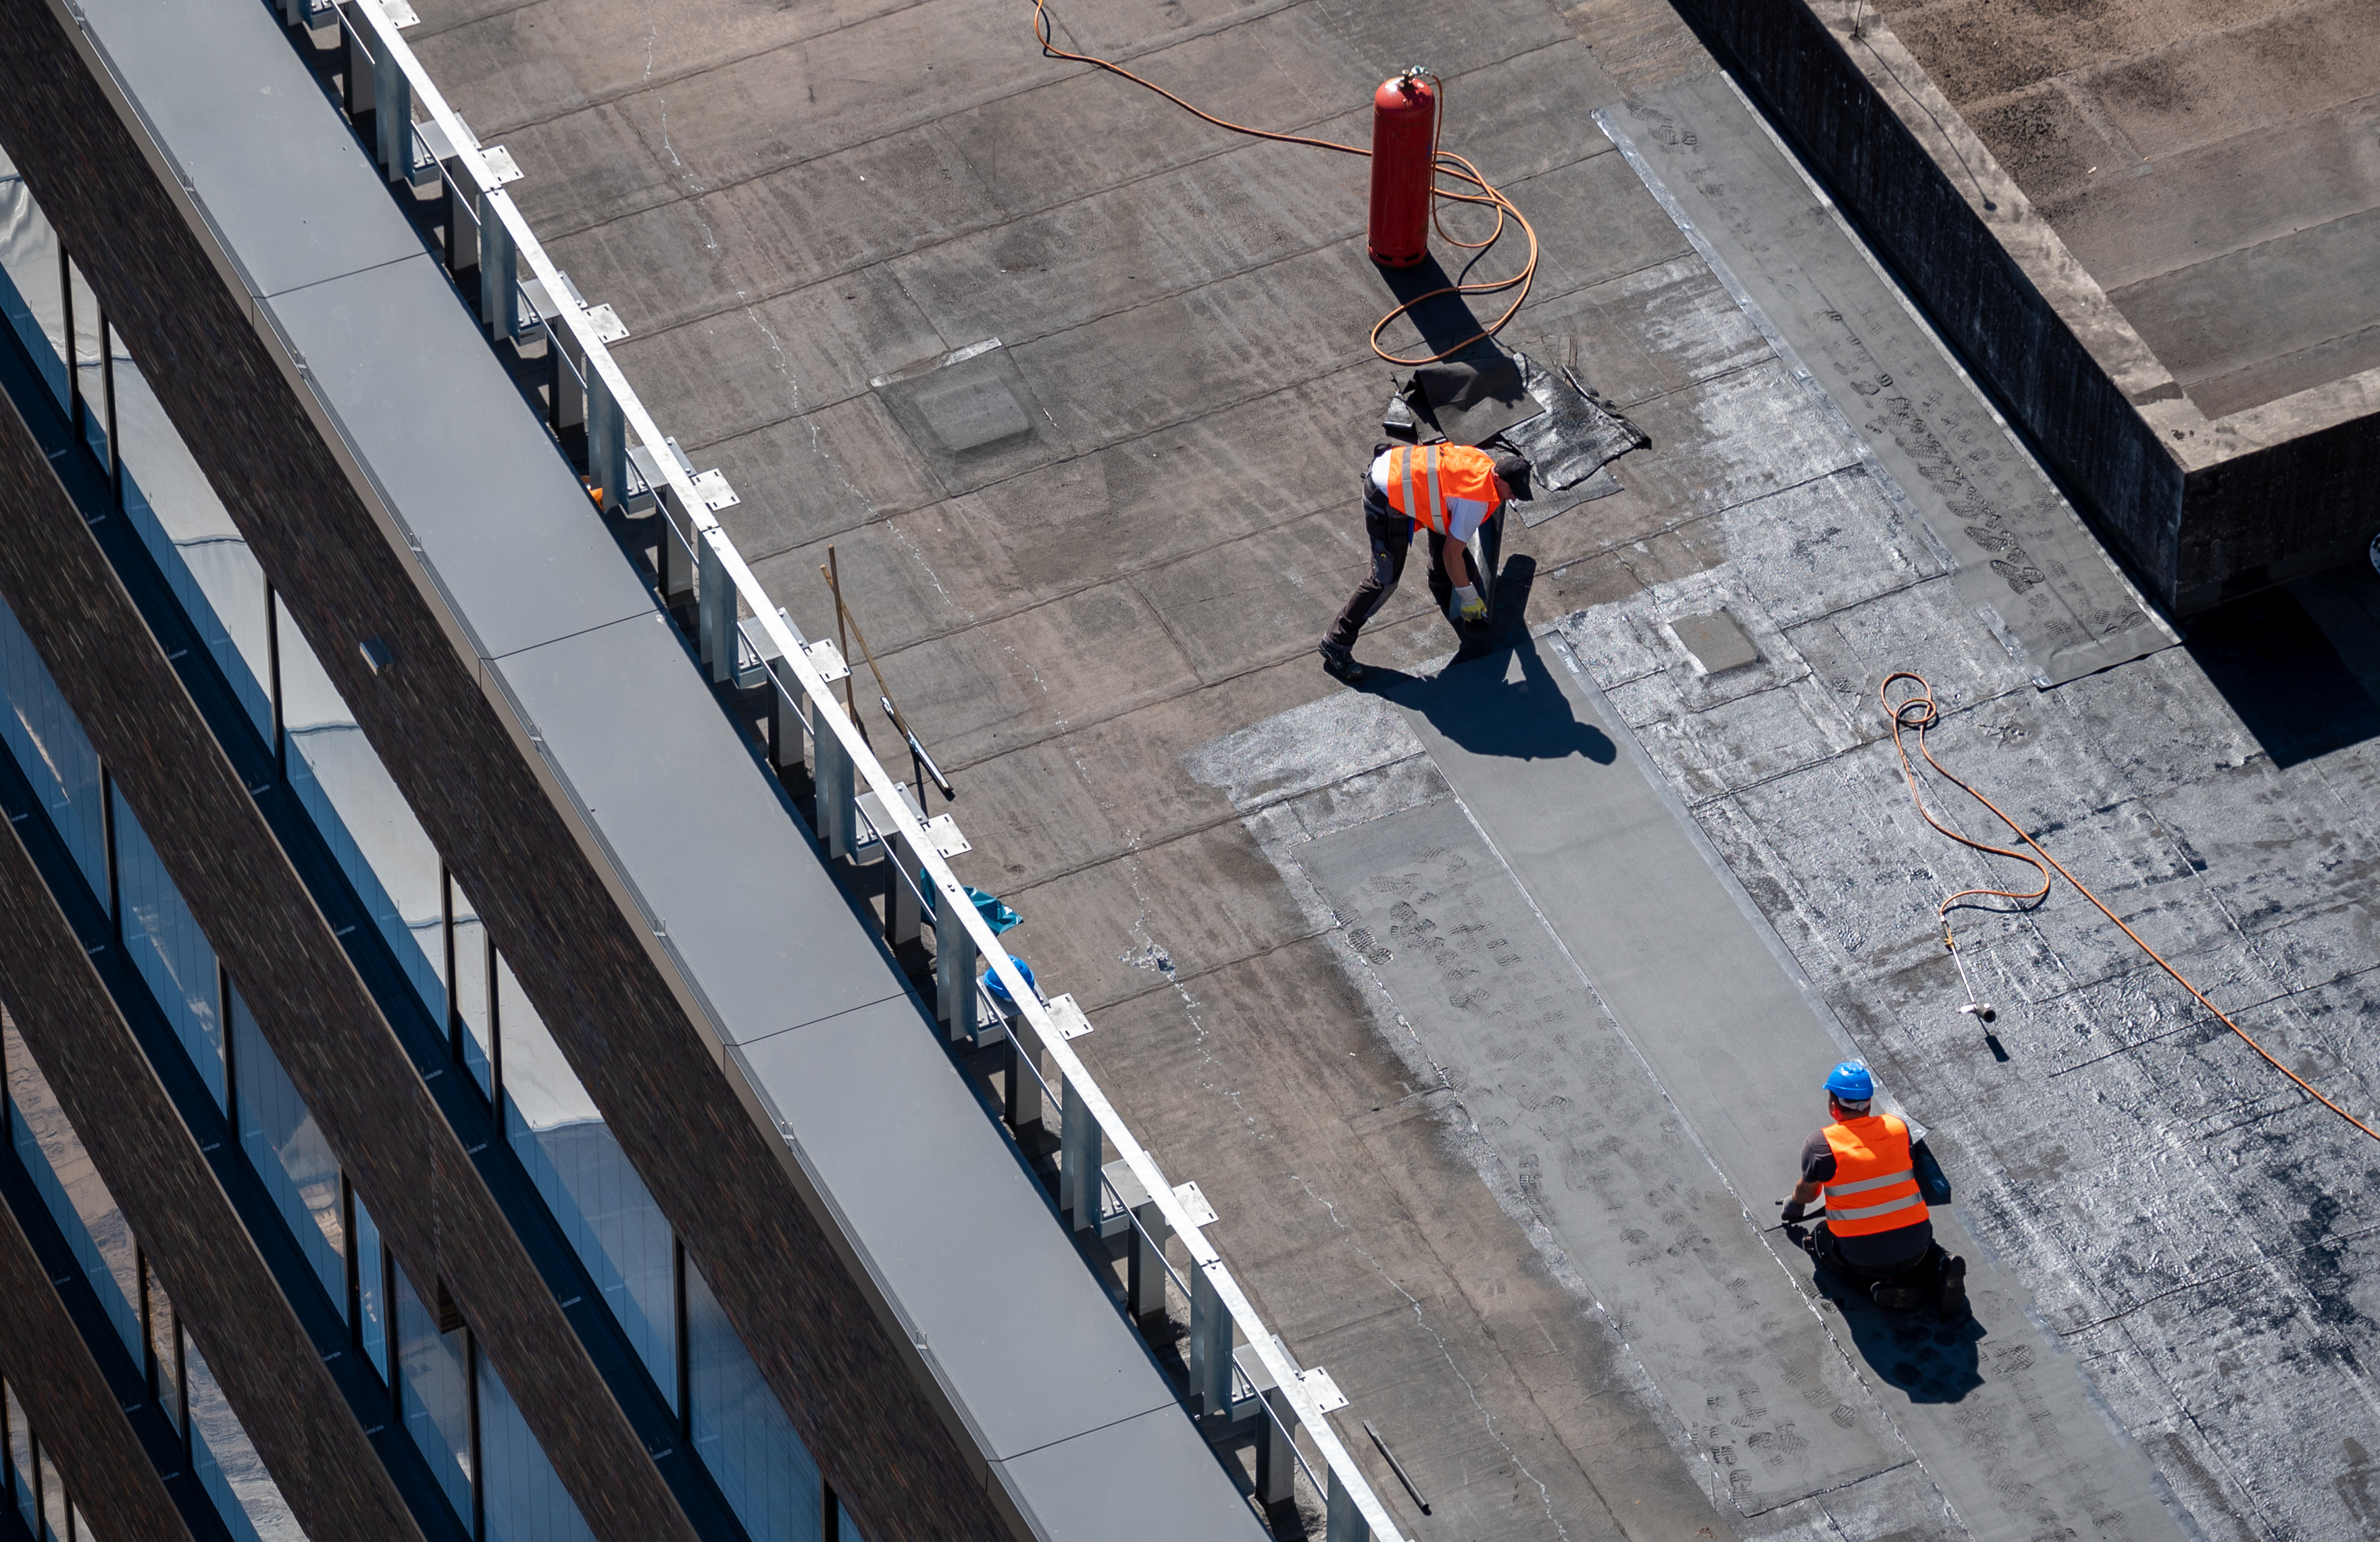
(1917, 713)
(1443, 162)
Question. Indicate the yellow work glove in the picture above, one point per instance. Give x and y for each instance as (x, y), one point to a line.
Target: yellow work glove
(1467, 608)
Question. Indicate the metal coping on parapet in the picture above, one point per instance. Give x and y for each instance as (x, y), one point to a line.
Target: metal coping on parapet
(1347, 1483)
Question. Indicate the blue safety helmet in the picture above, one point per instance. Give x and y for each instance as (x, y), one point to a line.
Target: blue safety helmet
(1850, 1083)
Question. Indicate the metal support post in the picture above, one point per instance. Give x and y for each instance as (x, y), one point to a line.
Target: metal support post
(1276, 1462)
(837, 812)
(1144, 1274)
(462, 229)
(360, 72)
(568, 408)
(607, 445)
(715, 625)
(1023, 1101)
(785, 728)
(1078, 1159)
(1211, 1345)
(499, 269)
(903, 916)
(1341, 1521)
(955, 962)
(296, 13)
(393, 115)
(677, 557)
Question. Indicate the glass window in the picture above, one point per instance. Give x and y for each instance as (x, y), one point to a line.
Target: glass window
(523, 1500)
(50, 750)
(168, 949)
(287, 1150)
(62, 1171)
(740, 1431)
(372, 831)
(89, 382)
(29, 263)
(434, 1371)
(165, 1349)
(204, 558)
(20, 1457)
(612, 1222)
(371, 1290)
(54, 1496)
(228, 1468)
(471, 983)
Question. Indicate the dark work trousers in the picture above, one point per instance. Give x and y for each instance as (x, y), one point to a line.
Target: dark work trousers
(1878, 1254)
(1391, 535)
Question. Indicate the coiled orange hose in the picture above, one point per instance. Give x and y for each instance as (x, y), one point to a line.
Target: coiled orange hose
(1917, 713)
(1443, 162)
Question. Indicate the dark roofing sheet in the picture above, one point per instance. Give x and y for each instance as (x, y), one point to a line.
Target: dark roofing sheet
(474, 476)
(757, 920)
(242, 117)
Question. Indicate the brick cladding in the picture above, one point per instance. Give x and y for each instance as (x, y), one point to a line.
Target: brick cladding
(268, 1366)
(852, 1394)
(59, 1385)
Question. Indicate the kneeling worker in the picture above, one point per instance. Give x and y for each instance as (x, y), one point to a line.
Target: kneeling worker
(1876, 1229)
(1448, 490)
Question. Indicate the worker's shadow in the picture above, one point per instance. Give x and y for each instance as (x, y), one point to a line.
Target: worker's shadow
(1927, 1359)
(1503, 701)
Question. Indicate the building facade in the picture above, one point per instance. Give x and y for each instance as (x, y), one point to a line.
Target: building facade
(449, 1093)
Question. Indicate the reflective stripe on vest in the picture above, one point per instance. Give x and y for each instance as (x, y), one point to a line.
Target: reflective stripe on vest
(1444, 472)
(1872, 1157)
(1405, 461)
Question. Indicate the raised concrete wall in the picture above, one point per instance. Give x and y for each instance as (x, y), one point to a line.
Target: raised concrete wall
(2201, 509)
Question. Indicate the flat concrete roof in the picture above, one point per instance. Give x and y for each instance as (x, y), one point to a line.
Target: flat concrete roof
(2217, 168)
(1363, 963)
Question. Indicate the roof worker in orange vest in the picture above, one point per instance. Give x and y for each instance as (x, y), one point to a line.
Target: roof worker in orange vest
(1448, 490)
(1876, 1230)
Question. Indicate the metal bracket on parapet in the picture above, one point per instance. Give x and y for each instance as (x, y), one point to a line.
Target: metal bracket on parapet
(1071, 1023)
(904, 906)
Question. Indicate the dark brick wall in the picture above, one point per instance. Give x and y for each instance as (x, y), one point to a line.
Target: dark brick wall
(2191, 540)
(61, 1389)
(852, 1394)
(269, 1367)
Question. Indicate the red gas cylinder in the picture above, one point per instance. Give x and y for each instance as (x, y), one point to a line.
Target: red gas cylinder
(1405, 128)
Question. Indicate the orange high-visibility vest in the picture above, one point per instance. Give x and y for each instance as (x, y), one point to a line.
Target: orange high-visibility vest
(1423, 476)
(1875, 1186)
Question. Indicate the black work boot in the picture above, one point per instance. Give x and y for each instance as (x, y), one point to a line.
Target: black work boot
(1950, 1292)
(1341, 663)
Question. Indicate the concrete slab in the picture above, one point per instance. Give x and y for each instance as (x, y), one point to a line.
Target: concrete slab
(2262, 302)
(1929, 433)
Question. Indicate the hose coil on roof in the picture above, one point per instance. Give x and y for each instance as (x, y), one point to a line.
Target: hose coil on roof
(1444, 163)
(1917, 713)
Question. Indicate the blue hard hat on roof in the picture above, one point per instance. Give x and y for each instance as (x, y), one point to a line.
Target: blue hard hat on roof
(1851, 1082)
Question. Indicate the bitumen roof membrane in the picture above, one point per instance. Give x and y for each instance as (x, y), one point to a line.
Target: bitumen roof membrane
(1488, 999)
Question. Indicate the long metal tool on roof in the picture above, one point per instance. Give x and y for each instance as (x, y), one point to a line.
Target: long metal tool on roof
(831, 718)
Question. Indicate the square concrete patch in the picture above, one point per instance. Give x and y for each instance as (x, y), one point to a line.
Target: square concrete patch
(1716, 641)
